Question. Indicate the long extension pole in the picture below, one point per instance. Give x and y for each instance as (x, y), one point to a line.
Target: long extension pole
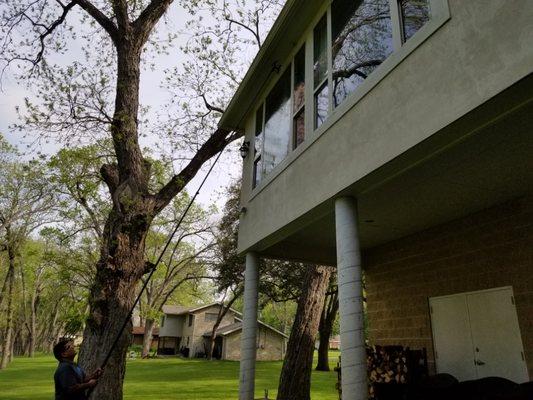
(171, 236)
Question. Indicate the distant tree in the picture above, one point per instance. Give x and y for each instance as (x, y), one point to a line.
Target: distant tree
(26, 203)
(327, 323)
(183, 268)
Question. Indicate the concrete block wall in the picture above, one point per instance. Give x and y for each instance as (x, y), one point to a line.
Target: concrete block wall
(488, 249)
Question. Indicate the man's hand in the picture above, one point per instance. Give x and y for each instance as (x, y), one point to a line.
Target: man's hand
(96, 374)
(91, 383)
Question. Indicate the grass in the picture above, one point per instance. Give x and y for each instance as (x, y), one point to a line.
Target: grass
(162, 379)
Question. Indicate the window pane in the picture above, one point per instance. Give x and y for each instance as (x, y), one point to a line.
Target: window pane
(299, 79)
(299, 128)
(320, 56)
(362, 40)
(277, 123)
(321, 105)
(258, 146)
(415, 13)
(257, 172)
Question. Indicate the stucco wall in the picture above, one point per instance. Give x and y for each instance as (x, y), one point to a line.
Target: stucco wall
(271, 346)
(483, 49)
(489, 249)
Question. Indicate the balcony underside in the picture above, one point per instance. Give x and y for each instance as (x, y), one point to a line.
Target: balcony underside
(482, 159)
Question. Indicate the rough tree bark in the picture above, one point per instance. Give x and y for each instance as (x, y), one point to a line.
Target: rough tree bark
(327, 318)
(295, 379)
(7, 345)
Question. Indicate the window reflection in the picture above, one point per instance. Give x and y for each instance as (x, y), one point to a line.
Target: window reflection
(299, 128)
(361, 41)
(414, 14)
(299, 79)
(277, 123)
(321, 105)
(258, 146)
(320, 56)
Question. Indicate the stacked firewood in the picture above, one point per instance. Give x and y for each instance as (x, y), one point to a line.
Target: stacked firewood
(386, 365)
(390, 365)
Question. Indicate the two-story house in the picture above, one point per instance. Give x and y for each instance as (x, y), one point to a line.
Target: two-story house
(394, 139)
(187, 331)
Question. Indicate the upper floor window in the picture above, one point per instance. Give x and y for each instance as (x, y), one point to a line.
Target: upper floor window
(361, 40)
(191, 317)
(351, 40)
(320, 72)
(258, 145)
(277, 123)
(413, 15)
(298, 95)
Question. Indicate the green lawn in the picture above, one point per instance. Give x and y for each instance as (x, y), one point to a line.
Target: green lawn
(162, 379)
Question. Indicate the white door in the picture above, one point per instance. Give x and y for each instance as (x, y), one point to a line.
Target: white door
(451, 337)
(477, 335)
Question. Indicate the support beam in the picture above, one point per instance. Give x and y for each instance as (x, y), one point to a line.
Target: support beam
(353, 354)
(249, 328)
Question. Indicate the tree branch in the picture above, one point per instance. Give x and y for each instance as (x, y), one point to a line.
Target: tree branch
(144, 24)
(216, 143)
(102, 19)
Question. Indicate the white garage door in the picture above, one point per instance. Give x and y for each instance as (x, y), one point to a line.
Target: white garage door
(476, 335)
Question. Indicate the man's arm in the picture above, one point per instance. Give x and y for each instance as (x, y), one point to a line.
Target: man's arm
(79, 387)
(69, 384)
(95, 375)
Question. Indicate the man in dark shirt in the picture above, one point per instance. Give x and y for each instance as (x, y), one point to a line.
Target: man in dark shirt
(71, 382)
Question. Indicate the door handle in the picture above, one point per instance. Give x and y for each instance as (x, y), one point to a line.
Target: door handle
(479, 362)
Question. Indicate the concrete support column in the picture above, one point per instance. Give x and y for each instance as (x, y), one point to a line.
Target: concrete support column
(353, 354)
(249, 328)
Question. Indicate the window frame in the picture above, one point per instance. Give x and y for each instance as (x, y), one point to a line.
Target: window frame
(439, 14)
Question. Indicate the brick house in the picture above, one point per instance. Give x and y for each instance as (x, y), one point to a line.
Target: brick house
(394, 139)
(187, 330)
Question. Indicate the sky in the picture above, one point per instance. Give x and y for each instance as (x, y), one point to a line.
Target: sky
(151, 94)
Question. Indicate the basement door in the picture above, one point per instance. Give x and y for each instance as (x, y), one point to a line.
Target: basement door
(476, 335)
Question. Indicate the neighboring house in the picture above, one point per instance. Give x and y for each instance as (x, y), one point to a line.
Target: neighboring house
(186, 330)
(396, 137)
(335, 343)
(138, 336)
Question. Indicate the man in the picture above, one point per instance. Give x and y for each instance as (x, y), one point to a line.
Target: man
(71, 383)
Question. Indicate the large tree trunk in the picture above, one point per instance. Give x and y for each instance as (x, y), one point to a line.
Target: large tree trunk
(147, 337)
(327, 319)
(7, 345)
(121, 263)
(295, 379)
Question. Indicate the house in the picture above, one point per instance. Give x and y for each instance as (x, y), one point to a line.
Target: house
(395, 139)
(187, 330)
